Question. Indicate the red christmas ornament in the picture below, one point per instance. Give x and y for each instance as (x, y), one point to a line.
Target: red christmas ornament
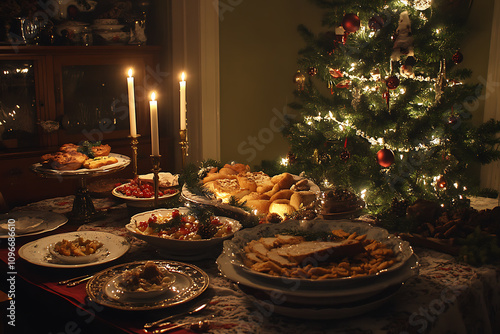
(335, 73)
(385, 157)
(392, 82)
(351, 22)
(312, 71)
(376, 23)
(458, 57)
(441, 183)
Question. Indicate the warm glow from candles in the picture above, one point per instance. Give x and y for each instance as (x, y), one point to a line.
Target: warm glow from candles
(131, 103)
(183, 76)
(155, 141)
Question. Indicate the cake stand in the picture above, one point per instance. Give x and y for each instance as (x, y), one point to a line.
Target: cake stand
(83, 208)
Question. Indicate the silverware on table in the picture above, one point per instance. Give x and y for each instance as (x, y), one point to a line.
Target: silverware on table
(200, 326)
(75, 280)
(165, 321)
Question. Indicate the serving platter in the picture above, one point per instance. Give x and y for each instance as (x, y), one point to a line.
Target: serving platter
(190, 282)
(233, 249)
(189, 196)
(37, 252)
(29, 223)
(123, 161)
(296, 293)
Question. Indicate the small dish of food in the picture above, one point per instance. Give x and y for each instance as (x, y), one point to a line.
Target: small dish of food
(140, 283)
(76, 251)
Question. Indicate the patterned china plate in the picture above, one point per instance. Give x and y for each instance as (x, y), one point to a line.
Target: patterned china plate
(190, 282)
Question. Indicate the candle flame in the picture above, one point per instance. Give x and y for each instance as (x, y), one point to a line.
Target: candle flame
(130, 72)
(153, 96)
(183, 76)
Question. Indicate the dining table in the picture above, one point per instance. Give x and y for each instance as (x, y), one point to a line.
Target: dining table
(447, 296)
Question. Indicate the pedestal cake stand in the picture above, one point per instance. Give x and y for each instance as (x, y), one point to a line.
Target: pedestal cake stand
(83, 208)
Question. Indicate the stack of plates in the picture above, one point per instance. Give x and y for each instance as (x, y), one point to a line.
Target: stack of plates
(318, 299)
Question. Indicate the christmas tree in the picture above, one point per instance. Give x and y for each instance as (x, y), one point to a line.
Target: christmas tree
(383, 104)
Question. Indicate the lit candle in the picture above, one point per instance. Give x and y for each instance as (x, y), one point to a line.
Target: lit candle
(183, 102)
(131, 104)
(155, 141)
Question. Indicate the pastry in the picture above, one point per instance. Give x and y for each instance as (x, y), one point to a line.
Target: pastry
(101, 150)
(64, 160)
(99, 162)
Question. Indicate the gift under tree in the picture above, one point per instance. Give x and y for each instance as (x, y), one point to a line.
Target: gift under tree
(384, 109)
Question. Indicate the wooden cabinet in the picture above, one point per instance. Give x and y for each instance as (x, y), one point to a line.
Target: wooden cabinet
(50, 96)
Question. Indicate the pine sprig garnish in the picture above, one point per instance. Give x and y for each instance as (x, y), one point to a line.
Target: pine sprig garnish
(173, 222)
(311, 236)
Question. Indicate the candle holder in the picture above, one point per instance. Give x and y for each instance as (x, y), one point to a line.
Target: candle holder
(184, 145)
(133, 143)
(155, 159)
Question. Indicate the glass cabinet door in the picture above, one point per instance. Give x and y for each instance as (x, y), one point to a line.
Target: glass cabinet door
(93, 97)
(18, 105)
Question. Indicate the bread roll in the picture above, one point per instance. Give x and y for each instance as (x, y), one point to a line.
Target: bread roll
(284, 180)
(273, 191)
(303, 198)
(281, 207)
(261, 206)
(282, 194)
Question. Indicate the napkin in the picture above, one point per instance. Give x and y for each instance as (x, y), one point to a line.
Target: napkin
(23, 225)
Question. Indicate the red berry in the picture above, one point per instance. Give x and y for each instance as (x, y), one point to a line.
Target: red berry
(175, 214)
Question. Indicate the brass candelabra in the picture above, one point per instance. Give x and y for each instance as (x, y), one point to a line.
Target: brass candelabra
(133, 143)
(184, 146)
(155, 159)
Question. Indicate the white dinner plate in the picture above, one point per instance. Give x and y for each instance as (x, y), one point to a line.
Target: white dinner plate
(37, 252)
(298, 294)
(28, 223)
(190, 282)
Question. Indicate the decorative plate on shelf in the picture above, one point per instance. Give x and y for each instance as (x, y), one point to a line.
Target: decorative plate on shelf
(190, 282)
(38, 251)
(26, 223)
(123, 161)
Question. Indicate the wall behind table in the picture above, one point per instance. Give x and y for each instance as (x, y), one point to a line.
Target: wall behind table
(259, 46)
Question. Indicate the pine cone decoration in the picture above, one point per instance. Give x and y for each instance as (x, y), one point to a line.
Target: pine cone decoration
(399, 207)
(207, 231)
